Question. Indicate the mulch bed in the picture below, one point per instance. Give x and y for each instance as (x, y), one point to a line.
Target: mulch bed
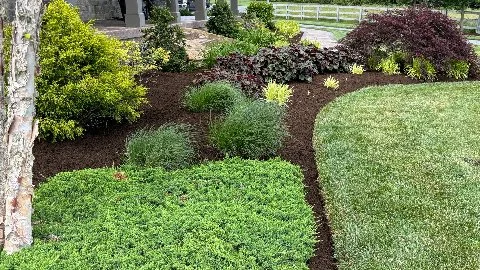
(105, 148)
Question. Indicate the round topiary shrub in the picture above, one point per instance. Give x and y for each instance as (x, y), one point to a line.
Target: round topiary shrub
(415, 33)
(84, 81)
(216, 96)
(252, 129)
(169, 146)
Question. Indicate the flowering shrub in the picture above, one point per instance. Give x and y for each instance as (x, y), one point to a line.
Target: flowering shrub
(417, 32)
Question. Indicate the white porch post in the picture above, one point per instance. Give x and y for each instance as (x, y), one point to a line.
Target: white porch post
(234, 7)
(134, 16)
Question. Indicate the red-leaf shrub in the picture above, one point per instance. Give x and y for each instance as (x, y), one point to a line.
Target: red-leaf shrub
(252, 85)
(417, 32)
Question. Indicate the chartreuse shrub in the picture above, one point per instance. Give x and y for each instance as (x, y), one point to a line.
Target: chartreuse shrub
(261, 37)
(232, 214)
(263, 11)
(215, 96)
(287, 28)
(225, 48)
(331, 82)
(252, 129)
(310, 42)
(169, 146)
(389, 66)
(458, 69)
(165, 37)
(399, 167)
(221, 20)
(84, 80)
(415, 32)
(277, 92)
(422, 69)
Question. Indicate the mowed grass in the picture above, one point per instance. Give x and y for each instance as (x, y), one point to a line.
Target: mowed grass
(400, 171)
(232, 214)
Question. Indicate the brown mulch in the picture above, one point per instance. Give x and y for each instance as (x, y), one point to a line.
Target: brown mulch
(105, 148)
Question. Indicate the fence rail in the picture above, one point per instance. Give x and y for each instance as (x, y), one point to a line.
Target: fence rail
(471, 19)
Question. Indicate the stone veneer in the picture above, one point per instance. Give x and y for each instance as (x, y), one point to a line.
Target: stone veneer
(97, 9)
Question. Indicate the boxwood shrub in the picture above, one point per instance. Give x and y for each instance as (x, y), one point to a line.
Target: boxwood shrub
(233, 214)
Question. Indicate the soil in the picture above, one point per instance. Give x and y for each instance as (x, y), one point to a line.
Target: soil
(105, 148)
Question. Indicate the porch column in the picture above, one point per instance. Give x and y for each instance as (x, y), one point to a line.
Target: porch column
(134, 16)
(174, 10)
(234, 7)
(200, 10)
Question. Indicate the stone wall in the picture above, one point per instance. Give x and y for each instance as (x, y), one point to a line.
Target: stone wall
(97, 9)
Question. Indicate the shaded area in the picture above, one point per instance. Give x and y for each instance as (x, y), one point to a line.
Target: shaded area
(105, 148)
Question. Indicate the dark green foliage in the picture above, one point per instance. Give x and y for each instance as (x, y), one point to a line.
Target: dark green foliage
(185, 12)
(263, 11)
(226, 48)
(84, 82)
(169, 146)
(167, 36)
(221, 20)
(216, 96)
(252, 129)
(232, 214)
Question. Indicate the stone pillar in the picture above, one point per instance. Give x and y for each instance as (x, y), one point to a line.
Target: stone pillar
(174, 10)
(234, 7)
(200, 10)
(134, 16)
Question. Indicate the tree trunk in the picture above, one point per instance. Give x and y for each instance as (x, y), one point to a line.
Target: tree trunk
(21, 127)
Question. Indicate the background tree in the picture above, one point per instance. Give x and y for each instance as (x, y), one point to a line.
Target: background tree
(18, 128)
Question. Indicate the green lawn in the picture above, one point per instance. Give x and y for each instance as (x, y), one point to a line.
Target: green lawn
(400, 170)
(477, 49)
(232, 214)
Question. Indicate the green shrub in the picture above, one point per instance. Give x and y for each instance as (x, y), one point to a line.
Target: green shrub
(232, 214)
(261, 37)
(277, 92)
(168, 37)
(314, 43)
(287, 28)
(389, 66)
(357, 69)
(185, 12)
(169, 147)
(331, 83)
(263, 11)
(458, 69)
(421, 69)
(221, 20)
(215, 96)
(251, 21)
(251, 129)
(225, 48)
(84, 81)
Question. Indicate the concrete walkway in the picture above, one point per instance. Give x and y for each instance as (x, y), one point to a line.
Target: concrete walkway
(325, 38)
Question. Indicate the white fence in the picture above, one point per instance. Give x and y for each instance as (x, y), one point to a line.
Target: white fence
(471, 19)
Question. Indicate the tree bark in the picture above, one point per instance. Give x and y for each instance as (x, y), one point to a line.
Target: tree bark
(21, 127)
(3, 15)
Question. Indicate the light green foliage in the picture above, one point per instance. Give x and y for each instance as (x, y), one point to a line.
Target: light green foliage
(261, 37)
(281, 43)
(399, 169)
(314, 43)
(357, 69)
(225, 48)
(233, 214)
(331, 82)
(148, 61)
(277, 92)
(458, 70)
(287, 28)
(215, 96)
(421, 69)
(252, 129)
(169, 38)
(169, 146)
(84, 81)
(221, 20)
(389, 66)
(263, 11)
